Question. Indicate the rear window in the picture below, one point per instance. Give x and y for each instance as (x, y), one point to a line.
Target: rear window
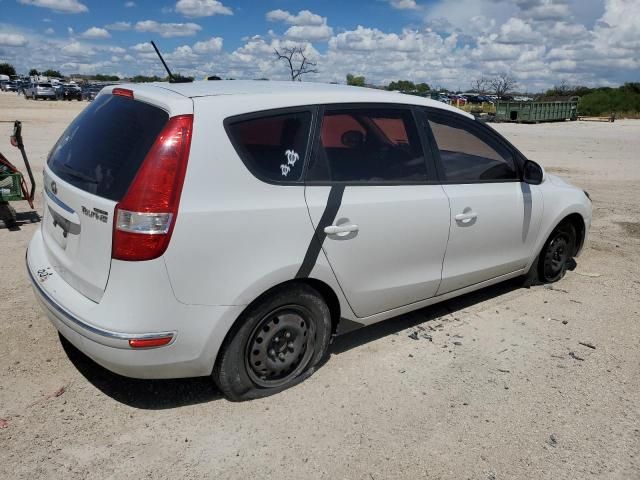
(44, 85)
(101, 151)
(273, 147)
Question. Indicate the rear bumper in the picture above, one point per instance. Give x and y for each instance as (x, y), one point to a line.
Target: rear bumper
(96, 329)
(98, 335)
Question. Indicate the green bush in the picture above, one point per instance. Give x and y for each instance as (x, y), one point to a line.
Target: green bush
(624, 100)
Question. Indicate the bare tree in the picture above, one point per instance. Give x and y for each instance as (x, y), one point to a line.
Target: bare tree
(563, 89)
(503, 84)
(480, 84)
(297, 62)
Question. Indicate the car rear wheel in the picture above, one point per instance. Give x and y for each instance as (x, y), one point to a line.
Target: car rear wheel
(557, 253)
(275, 344)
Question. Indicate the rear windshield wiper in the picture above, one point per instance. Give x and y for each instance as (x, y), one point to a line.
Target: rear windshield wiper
(76, 174)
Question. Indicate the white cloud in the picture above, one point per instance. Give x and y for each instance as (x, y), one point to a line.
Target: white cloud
(368, 39)
(403, 4)
(118, 50)
(142, 47)
(96, 33)
(168, 30)
(77, 50)
(517, 31)
(118, 26)
(130, 4)
(12, 40)
(49, 31)
(202, 8)
(304, 17)
(305, 25)
(60, 6)
(544, 9)
(213, 45)
(311, 33)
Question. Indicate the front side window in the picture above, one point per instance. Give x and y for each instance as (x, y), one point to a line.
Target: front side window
(368, 145)
(468, 154)
(273, 146)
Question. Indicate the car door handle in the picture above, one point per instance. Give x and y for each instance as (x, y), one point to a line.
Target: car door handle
(336, 229)
(461, 217)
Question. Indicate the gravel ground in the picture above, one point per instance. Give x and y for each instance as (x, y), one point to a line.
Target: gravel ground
(493, 385)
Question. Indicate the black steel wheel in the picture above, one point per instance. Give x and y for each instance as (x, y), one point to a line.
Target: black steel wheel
(275, 344)
(280, 346)
(558, 251)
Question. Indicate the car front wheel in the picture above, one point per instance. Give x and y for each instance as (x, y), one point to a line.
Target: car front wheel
(275, 344)
(557, 253)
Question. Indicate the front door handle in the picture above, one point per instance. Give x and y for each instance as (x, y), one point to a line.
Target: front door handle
(463, 217)
(338, 229)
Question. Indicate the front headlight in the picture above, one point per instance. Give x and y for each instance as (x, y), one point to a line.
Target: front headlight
(587, 195)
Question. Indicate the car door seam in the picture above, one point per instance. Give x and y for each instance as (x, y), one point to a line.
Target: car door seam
(446, 248)
(334, 201)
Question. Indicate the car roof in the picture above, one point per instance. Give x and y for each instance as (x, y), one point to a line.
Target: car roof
(304, 93)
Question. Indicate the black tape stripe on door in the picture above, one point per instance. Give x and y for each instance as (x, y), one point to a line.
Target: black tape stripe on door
(328, 216)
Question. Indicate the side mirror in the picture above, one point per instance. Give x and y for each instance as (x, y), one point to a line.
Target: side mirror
(533, 173)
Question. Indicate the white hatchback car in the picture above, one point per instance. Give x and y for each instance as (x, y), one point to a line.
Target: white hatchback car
(231, 228)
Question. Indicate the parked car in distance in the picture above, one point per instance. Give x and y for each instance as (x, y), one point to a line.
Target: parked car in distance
(10, 86)
(91, 91)
(40, 90)
(231, 228)
(71, 92)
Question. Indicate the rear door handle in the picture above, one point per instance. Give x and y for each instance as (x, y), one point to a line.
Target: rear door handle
(337, 229)
(461, 217)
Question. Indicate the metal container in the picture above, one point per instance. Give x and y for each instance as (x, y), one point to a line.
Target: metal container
(557, 110)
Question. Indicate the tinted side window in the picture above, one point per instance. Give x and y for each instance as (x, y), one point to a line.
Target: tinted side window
(368, 145)
(273, 147)
(467, 153)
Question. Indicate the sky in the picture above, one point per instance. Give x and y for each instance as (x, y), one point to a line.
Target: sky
(445, 43)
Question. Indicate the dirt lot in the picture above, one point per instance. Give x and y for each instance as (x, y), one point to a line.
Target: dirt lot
(504, 390)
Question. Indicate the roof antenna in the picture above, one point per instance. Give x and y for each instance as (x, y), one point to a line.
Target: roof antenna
(172, 78)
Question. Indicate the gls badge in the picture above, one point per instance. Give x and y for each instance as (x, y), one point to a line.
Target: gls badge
(96, 213)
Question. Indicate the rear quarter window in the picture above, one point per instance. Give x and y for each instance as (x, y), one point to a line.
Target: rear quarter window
(103, 148)
(272, 146)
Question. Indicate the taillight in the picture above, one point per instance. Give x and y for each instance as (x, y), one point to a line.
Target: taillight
(122, 92)
(145, 217)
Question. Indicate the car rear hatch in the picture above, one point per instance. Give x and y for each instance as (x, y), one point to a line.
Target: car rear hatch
(45, 89)
(88, 172)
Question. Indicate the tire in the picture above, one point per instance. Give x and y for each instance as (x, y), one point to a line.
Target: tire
(289, 328)
(557, 254)
(7, 215)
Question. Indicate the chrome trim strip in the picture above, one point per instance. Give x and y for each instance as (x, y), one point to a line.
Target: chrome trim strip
(58, 202)
(90, 328)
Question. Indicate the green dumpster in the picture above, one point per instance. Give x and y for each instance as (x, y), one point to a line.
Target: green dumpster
(547, 110)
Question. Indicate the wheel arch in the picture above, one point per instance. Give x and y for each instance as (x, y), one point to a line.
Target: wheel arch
(324, 289)
(578, 223)
(576, 217)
